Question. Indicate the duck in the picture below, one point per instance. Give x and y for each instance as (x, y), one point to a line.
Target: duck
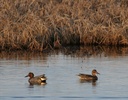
(41, 79)
(88, 77)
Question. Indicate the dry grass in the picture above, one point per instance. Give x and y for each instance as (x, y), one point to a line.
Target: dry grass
(31, 24)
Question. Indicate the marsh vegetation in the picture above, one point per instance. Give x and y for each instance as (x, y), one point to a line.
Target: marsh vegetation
(40, 24)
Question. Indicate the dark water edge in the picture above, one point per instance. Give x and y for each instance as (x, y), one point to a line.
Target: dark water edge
(60, 98)
(82, 51)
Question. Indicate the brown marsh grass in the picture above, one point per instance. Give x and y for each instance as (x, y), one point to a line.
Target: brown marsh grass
(32, 24)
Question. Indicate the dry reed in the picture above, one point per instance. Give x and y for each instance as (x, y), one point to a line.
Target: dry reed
(31, 24)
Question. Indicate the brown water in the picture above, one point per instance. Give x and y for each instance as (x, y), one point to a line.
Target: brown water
(61, 68)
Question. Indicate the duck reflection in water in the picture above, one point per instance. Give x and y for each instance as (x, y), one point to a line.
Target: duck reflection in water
(93, 82)
(89, 78)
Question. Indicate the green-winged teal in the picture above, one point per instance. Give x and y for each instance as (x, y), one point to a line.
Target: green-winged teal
(88, 77)
(41, 79)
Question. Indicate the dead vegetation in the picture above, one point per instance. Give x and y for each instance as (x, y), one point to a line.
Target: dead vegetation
(32, 24)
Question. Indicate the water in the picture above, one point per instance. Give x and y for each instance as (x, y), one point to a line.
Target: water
(61, 69)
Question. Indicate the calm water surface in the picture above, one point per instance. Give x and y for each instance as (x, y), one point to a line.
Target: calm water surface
(61, 69)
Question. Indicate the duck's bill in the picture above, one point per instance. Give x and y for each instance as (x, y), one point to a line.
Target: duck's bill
(26, 76)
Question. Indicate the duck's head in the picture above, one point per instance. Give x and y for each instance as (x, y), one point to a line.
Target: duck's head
(30, 74)
(94, 72)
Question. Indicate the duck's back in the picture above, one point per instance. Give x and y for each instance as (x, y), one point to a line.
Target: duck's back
(87, 77)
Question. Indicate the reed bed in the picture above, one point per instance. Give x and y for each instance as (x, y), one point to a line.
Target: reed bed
(37, 24)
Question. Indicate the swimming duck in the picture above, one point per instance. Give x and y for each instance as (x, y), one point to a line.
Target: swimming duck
(41, 79)
(88, 77)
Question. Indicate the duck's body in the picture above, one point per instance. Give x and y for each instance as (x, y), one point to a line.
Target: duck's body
(89, 77)
(41, 79)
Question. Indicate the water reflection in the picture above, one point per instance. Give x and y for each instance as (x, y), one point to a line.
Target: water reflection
(93, 82)
(43, 84)
(75, 51)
